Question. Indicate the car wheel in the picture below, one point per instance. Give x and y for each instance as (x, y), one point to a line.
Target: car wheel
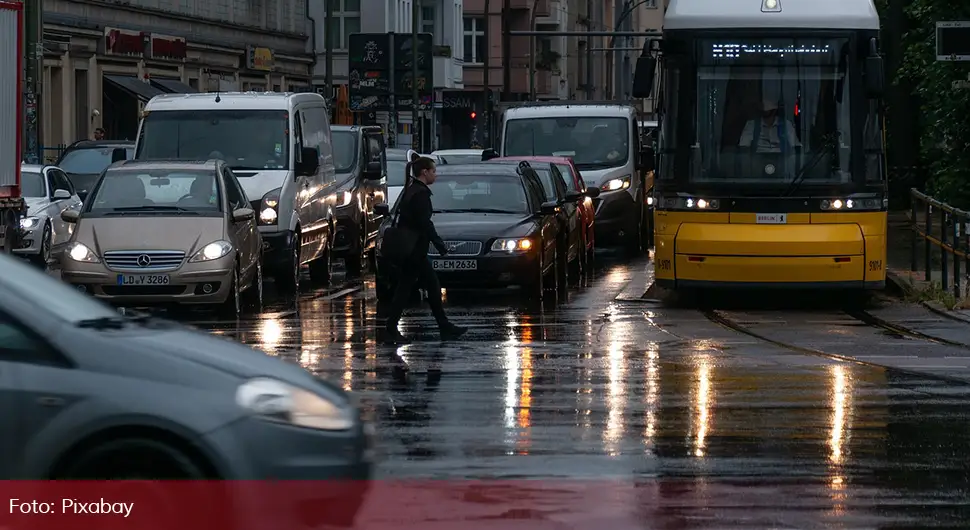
(232, 306)
(131, 458)
(321, 269)
(253, 296)
(288, 279)
(43, 256)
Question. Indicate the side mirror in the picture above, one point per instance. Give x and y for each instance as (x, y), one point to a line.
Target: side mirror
(875, 76)
(243, 214)
(647, 161)
(573, 196)
(60, 195)
(309, 162)
(592, 192)
(643, 76)
(549, 208)
(382, 209)
(373, 171)
(118, 154)
(70, 216)
(489, 154)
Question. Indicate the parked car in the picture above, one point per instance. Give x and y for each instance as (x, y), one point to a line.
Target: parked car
(89, 394)
(499, 231)
(84, 160)
(358, 155)
(574, 184)
(397, 160)
(48, 193)
(458, 156)
(167, 232)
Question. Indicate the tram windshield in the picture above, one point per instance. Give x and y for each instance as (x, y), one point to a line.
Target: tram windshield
(772, 110)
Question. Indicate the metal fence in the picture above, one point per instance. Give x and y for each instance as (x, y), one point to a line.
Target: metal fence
(50, 153)
(942, 233)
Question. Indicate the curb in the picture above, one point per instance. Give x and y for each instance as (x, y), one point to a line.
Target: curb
(931, 305)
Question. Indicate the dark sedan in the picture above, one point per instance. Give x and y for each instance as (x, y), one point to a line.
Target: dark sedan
(499, 231)
(83, 161)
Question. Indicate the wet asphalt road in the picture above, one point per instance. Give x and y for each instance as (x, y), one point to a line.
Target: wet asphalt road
(725, 414)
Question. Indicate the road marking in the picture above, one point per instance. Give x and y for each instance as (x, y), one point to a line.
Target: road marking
(340, 294)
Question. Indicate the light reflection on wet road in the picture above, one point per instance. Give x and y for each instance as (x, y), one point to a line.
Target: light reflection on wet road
(740, 431)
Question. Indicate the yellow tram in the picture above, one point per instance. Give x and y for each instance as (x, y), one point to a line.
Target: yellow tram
(770, 168)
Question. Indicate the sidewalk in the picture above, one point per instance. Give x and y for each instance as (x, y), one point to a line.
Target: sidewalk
(899, 247)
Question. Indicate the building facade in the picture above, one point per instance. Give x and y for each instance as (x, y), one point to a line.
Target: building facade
(103, 61)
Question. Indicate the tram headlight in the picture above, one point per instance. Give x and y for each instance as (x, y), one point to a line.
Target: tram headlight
(851, 204)
(690, 203)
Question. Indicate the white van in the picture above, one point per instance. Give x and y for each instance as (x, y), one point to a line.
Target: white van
(278, 146)
(603, 139)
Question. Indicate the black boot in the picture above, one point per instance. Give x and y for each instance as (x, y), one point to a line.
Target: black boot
(450, 331)
(393, 336)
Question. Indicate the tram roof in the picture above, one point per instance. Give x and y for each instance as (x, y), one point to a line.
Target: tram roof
(794, 14)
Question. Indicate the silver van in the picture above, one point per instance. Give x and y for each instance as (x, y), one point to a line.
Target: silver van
(279, 147)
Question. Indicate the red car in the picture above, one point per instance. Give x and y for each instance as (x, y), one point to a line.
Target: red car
(587, 212)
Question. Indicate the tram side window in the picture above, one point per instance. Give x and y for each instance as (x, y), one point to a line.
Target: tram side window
(667, 135)
(874, 147)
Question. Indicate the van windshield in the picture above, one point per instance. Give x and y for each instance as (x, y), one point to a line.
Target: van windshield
(592, 142)
(246, 139)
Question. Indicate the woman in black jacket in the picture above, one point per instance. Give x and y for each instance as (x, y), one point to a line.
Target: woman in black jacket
(414, 214)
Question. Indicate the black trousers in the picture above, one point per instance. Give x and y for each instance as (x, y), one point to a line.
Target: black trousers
(418, 274)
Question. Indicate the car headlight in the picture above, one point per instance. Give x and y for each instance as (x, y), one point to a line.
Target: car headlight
(29, 223)
(344, 198)
(275, 400)
(852, 204)
(80, 252)
(511, 245)
(690, 203)
(214, 250)
(617, 184)
(269, 207)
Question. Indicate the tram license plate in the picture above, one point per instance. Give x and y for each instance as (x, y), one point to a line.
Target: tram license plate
(454, 265)
(143, 279)
(771, 218)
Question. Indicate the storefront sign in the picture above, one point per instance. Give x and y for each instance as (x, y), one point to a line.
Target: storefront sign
(125, 42)
(260, 58)
(167, 47)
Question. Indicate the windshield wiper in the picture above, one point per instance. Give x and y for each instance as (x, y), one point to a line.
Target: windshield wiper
(118, 322)
(827, 143)
(476, 210)
(148, 207)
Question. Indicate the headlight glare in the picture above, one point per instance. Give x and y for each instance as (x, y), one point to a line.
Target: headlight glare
(80, 252)
(690, 203)
(275, 400)
(268, 216)
(29, 223)
(512, 245)
(212, 251)
(854, 204)
(617, 184)
(269, 207)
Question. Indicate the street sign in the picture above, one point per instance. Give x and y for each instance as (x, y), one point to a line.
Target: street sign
(380, 64)
(953, 41)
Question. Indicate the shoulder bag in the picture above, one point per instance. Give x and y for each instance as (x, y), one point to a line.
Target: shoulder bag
(398, 243)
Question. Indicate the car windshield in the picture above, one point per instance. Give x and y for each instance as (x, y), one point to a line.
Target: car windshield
(459, 159)
(146, 190)
(246, 139)
(495, 193)
(32, 184)
(59, 298)
(88, 161)
(344, 150)
(769, 110)
(593, 142)
(395, 172)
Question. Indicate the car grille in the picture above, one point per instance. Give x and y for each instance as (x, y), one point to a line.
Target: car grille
(128, 260)
(459, 248)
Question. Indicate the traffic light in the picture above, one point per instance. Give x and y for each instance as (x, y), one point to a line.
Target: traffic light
(473, 115)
